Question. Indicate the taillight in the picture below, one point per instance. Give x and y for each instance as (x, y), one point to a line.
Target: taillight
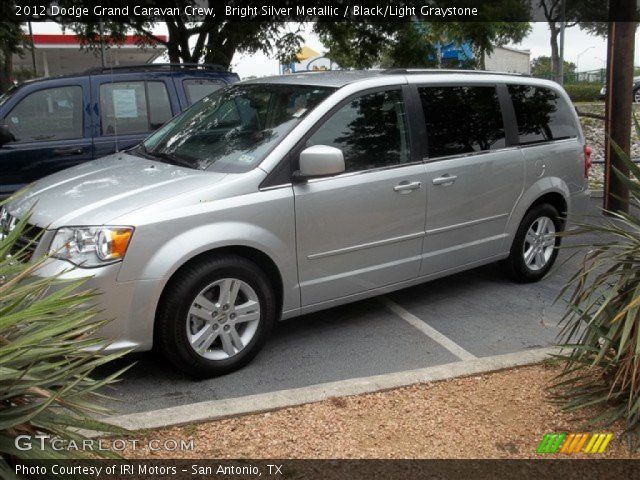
(587, 161)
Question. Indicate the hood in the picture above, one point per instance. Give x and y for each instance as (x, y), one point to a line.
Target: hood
(95, 192)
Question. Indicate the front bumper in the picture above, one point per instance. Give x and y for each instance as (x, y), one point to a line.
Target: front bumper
(129, 306)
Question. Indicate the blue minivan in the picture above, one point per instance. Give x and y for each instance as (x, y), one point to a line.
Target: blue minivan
(50, 124)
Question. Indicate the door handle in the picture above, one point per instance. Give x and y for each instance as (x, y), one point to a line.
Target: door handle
(67, 151)
(406, 187)
(445, 180)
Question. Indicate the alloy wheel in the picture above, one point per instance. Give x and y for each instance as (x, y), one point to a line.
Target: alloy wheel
(539, 243)
(223, 319)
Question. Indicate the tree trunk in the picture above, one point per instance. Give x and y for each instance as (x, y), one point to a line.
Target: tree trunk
(555, 51)
(6, 70)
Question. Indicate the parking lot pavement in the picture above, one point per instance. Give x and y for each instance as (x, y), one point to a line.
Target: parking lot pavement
(478, 313)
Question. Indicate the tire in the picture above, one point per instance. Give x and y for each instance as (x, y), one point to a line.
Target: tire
(201, 288)
(636, 95)
(522, 267)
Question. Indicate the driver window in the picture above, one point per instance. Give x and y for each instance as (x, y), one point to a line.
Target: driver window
(371, 131)
(49, 114)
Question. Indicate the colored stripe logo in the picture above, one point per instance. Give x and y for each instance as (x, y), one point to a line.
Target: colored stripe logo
(574, 443)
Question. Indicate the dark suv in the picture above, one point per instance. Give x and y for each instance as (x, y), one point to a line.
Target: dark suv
(50, 124)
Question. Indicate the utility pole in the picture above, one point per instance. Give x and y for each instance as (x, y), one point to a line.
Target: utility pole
(33, 51)
(102, 59)
(563, 15)
(621, 40)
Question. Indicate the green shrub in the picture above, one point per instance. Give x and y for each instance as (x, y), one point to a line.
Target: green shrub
(601, 327)
(583, 92)
(47, 355)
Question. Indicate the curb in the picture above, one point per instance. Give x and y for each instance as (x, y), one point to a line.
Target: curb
(219, 409)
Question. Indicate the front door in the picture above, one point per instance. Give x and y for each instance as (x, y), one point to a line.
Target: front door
(52, 130)
(362, 229)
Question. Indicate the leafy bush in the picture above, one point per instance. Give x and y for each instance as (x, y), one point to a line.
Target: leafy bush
(45, 388)
(601, 327)
(583, 92)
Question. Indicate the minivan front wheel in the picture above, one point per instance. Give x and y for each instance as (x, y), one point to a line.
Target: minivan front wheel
(534, 249)
(215, 316)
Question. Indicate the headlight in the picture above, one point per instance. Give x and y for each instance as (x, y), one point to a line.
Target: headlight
(91, 246)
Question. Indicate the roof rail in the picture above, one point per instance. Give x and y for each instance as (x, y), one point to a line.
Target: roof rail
(417, 71)
(144, 67)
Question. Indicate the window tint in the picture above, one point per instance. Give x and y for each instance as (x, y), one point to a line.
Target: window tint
(462, 120)
(159, 106)
(124, 107)
(198, 88)
(50, 114)
(541, 115)
(371, 131)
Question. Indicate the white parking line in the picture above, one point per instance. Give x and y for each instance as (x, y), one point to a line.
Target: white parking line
(428, 330)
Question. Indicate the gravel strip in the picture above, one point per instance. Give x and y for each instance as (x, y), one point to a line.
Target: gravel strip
(498, 415)
(594, 134)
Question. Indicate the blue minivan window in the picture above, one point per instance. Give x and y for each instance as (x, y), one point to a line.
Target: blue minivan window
(125, 107)
(49, 114)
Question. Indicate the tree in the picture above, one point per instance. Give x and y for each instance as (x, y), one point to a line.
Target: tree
(216, 41)
(552, 10)
(12, 41)
(397, 44)
(542, 67)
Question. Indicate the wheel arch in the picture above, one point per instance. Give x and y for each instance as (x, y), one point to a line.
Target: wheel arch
(260, 258)
(547, 190)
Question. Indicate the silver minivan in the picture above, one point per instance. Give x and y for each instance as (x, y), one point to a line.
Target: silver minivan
(281, 196)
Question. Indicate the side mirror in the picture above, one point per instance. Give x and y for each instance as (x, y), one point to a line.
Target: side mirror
(5, 135)
(320, 161)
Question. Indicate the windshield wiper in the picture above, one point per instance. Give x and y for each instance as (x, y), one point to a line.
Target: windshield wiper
(170, 158)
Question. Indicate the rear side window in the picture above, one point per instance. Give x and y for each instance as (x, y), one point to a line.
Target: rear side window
(462, 119)
(49, 114)
(133, 107)
(371, 131)
(541, 115)
(198, 88)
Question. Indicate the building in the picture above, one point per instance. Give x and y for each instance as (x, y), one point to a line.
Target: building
(60, 54)
(507, 59)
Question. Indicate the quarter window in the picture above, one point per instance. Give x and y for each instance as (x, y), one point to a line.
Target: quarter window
(198, 88)
(50, 114)
(133, 107)
(541, 115)
(462, 119)
(371, 131)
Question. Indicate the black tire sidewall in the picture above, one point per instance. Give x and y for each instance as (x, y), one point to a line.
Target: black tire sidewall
(171, 332)
(518, 267)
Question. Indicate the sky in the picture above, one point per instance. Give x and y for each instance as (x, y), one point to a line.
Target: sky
(588, 52)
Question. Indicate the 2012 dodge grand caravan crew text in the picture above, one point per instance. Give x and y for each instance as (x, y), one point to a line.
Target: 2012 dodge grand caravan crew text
(281, 196)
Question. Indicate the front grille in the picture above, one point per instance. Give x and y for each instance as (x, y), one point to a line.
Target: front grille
(26, 243)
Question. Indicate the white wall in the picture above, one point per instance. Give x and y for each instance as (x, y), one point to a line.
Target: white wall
(508, 60)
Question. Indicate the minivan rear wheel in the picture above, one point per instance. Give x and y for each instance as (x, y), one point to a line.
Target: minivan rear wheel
(534, 249)
(215, 316)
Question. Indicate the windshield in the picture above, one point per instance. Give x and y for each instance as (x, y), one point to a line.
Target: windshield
(233, 129)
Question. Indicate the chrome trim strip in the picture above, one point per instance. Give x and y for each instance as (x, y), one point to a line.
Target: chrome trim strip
(466, 224)
(363, 246)
(361, 172)
(469, 154)
(549, 142)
